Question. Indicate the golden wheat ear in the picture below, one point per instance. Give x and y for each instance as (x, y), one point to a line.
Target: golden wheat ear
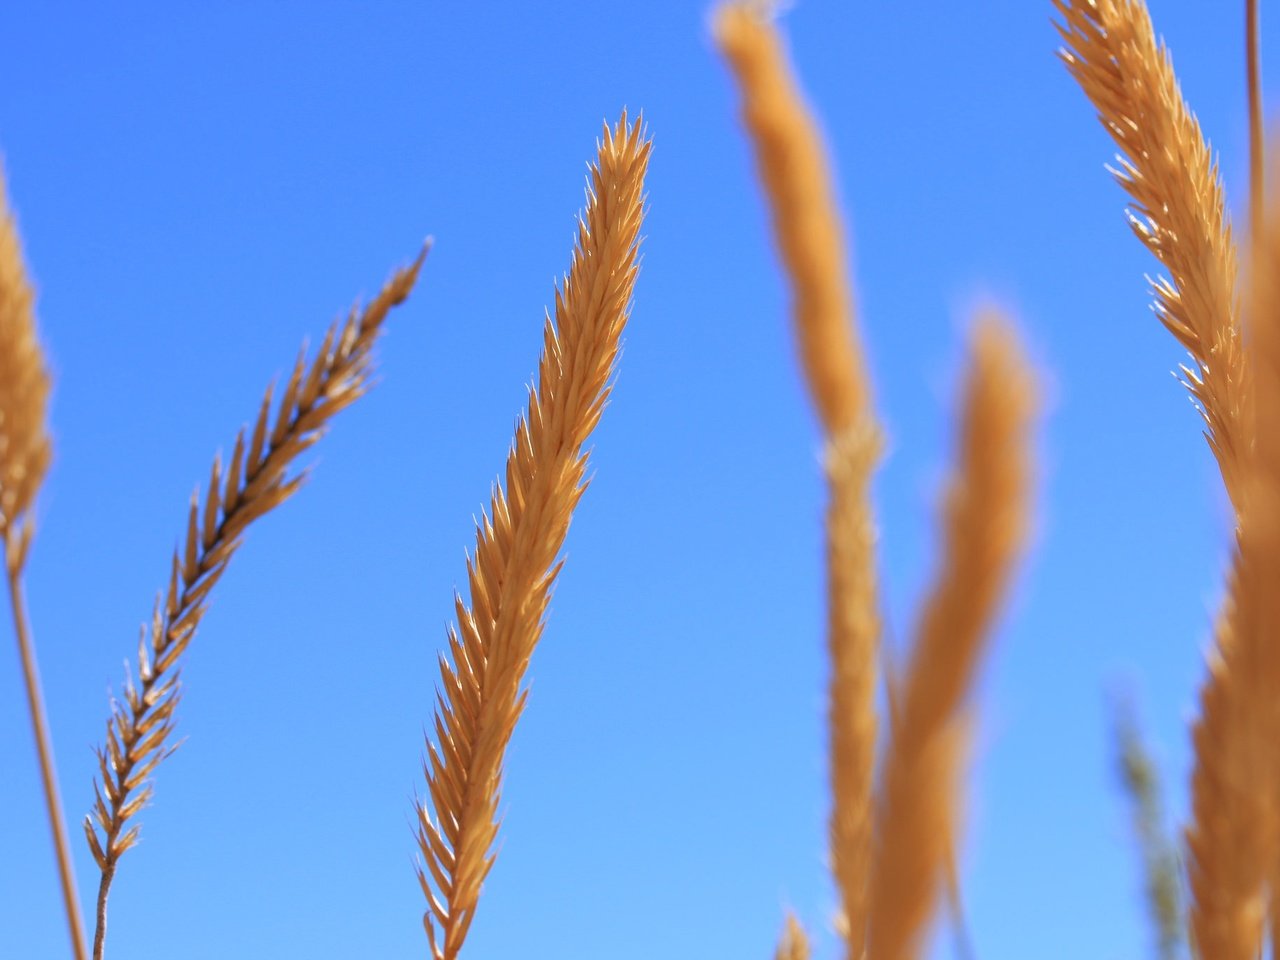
(985, 519)
(517, 542)
(1234, 835)
(25, 451)
(795, 173)
(1179, 210)
(254, 482)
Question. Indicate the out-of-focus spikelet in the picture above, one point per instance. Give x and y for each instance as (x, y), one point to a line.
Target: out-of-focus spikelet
(794, 170)
(514, 566)
(1234, 836)
(793, 944)
(985, 522)
(1179, 212)
(255, 482)
(24, 394)
(796, 176)
(25, 451)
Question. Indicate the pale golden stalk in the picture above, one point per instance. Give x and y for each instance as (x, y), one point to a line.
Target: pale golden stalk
(1234, 836)
(793, 945)
(254, 483)
(517, 543)
(25, 452)
(793, 168)
(1178, 213)
(985, 522)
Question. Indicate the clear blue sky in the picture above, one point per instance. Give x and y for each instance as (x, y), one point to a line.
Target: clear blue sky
(200, 187)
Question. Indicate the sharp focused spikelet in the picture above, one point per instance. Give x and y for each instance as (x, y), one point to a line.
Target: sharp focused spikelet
(253, 483)
(514, 566)
(1179, 211)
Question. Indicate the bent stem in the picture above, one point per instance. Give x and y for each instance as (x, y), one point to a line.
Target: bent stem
(48, 773)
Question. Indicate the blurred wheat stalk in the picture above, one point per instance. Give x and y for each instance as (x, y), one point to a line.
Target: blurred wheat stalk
(517, 542)
(25, 452)
(1179, 213)
(891, 837)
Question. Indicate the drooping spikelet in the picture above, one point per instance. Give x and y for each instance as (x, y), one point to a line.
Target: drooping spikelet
(517, 543)
(984, 526)
(794, 170)
(1179, 211)
(255, 482)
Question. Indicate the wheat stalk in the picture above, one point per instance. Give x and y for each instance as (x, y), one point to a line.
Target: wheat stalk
(1179, 211)
(251, 485)
(794, 171)
(25, 452)
(985, 521)
(1234, 835)
(517, 542)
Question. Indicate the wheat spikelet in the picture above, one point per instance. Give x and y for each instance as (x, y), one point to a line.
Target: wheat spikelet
(1161, 871)
(25, 452)
(253, 483)
(1178, 212)
(514, 566)
(24, 395)
(793, 944)
(985, 521)
(796, 177)
(794, 171)
(1234, 837)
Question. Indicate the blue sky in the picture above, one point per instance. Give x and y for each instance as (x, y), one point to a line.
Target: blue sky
(200, 188)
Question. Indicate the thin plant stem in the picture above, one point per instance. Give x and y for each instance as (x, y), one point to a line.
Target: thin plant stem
(48, 774)
(1253, 81)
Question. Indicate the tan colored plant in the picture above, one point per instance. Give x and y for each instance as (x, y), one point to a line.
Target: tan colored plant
(517, 543)
(25, 452)
(254, 482)
(1234, 834)
(890, 855)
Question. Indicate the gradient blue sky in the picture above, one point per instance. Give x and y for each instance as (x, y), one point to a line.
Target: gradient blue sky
(201, 187)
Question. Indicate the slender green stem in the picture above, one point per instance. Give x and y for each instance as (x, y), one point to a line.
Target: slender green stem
(48, 775)
(1253, 79)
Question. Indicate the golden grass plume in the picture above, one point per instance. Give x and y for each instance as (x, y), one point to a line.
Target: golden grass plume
(254, 482)
(1179, 210)
(25, 452)
(985, 521)
(794, 171)
(517, 543)
(25, 449)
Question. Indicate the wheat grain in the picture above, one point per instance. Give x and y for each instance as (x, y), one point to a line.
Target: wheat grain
(985, 520)
(250, 486)
(1178, 213)
(517, 542)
